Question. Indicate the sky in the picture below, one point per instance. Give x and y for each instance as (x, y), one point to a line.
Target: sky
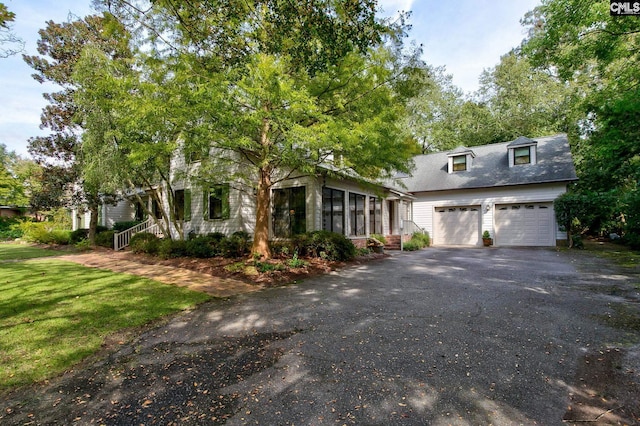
(465, 36)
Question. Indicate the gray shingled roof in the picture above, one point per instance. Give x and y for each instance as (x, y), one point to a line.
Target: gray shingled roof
(490, 167)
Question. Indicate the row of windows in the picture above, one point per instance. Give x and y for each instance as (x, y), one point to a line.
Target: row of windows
(289, 210)
(215, 200)
(521, 155)
(333, 202)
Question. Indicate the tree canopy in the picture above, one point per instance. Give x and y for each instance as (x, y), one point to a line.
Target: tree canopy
(597, 54)
(279, 86)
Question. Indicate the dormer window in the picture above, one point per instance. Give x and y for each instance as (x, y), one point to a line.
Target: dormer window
(459, 163)
(460, 160)
(522, 155)
(522, 151)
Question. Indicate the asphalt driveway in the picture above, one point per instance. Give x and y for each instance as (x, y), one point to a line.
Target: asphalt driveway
(440, 336)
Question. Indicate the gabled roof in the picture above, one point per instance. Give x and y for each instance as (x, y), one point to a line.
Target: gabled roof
(491, 167)
(521, 141)
(461, 150)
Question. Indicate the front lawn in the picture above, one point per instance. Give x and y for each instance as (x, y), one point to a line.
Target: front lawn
(53, 313)
(9, 251)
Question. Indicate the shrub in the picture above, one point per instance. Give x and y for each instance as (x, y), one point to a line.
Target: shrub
(83, 245)
(325, 244)
(202, 247)
(412, 245)
(632, 240)
(59, 236)
(282, 248)
(10, 228)
(363, 251)
(34, 232)
(169, 249)
(79, 235)
(123, 226)
(263, 267)
(294, 262)
(237, 245)
(105, 239)
(421, 238)
(44, 233)
(144, 242)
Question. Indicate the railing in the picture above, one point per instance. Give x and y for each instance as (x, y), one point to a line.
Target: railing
(122, 239)
(409, 227)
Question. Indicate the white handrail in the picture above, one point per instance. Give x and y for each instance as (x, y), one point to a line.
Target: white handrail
(122, 239)
(409, 227)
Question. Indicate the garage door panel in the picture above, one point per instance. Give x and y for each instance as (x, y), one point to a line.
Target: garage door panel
(525, 224)
(457, 225)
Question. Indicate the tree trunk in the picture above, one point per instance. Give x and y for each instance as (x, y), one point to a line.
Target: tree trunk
(93, 224)
(263, 203)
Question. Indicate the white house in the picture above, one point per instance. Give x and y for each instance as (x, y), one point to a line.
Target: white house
(507, 189)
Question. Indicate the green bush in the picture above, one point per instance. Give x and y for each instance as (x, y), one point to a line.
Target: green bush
(202, 247)
(421, 239)
(237, 245)
(363, 251)
(59, 236)
(123, 226)
(412, 245)
(632, 240)
(105, 239)
(295, 262)
(10, 228)
(144, 242)
(325, 244)
(44, 233)
(282, 248)
(82, 234)
(263, 267)
(83, 245)
(169, 249)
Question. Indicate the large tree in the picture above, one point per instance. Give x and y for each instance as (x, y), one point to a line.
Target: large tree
(60, 47)
(280, 86)
(599, 55)
(524, 101)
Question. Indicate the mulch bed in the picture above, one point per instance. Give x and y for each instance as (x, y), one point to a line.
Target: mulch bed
(217, 267)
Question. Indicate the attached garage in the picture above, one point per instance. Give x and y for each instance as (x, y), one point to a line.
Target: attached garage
(456, 225)
(524, 224)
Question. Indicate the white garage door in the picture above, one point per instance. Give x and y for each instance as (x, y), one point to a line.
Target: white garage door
(456, 225)
(525, 224)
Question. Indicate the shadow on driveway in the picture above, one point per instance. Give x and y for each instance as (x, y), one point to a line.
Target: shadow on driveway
(439, 336)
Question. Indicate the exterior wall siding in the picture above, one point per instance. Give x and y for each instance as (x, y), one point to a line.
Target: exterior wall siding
(122, 212)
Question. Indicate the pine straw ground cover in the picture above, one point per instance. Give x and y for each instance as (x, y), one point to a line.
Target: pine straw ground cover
(280, 270)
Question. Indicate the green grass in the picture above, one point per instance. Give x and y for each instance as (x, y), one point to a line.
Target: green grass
(54, 314)
(12, 251)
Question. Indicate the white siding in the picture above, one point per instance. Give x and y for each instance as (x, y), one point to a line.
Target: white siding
(236, 222)
(425, 203)
(122, 212)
